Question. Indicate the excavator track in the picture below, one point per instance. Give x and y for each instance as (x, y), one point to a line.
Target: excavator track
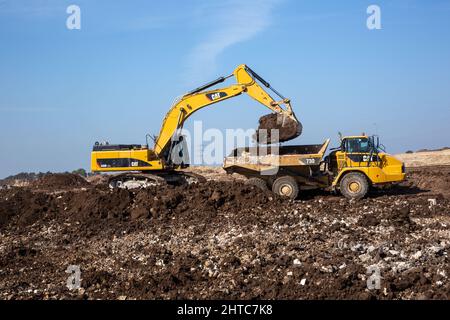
(191, 178)
(141, 180)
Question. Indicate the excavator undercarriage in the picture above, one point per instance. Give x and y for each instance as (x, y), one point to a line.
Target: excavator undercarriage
(135, 180)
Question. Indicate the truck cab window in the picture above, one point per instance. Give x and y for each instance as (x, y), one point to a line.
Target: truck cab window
(357, 145)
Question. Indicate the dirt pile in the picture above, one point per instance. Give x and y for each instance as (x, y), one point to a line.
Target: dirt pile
(432, 179)
(60, 180)
(199, 201)
(24, 207)
(195, 202)
(22, 179)
(287, 128)
(224, 240)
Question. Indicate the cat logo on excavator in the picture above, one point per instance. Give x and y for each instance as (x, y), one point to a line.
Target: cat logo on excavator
(216, 95)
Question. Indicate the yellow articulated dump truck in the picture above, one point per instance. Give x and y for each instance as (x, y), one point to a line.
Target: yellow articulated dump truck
(358, 164)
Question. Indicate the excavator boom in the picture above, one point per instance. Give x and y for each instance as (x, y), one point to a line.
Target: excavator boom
(140, 158)
(199, 98)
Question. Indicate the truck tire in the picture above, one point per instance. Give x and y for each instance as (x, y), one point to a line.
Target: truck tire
(258, 182)
(286, 186)
(354, 185)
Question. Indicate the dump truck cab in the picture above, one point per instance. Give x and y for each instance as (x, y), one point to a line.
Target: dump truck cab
(358, 164)
(361, 162)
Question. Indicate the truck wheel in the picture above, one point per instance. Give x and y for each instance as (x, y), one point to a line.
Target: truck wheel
(285, 186)
(354, 185)
(258, 182)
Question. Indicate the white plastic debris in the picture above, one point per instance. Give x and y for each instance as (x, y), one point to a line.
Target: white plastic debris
(393, 252)
(432, 202)
(297, 262)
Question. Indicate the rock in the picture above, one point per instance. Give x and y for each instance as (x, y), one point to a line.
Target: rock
(442, 273)
(417, 255)
(364, 257)
(327, 269)
(436, 249)
(400, 266)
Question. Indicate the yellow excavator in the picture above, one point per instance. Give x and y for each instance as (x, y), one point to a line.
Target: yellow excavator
(142, 166)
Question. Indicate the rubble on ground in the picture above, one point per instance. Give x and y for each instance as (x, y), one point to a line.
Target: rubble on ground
(224, 240)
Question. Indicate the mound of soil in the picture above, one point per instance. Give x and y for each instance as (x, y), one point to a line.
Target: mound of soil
(287, 128)
(224, 240)
(97, 204)
(433, 179)
(25, 207)
(24, 178)
(199, 201)
(193, 202)
(60, 180)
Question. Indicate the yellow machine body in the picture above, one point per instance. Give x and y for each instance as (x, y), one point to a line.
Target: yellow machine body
(142, 158)
(310, 169)
(379, 168)
(137, 159)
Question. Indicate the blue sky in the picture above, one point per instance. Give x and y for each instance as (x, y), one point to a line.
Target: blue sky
(61, 90)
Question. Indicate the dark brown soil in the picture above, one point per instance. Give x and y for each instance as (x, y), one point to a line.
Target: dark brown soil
(60, 180)
(430, 178)
(225, 240)
(286, 127)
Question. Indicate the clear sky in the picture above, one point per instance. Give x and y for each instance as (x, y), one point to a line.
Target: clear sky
(61, 90)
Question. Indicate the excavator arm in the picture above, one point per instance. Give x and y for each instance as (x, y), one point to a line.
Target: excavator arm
(200, 98)
(132, 158)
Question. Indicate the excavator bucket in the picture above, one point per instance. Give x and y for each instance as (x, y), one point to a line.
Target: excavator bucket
(287, 127)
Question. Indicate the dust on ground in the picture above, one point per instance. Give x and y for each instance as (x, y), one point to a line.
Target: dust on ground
(225, 239)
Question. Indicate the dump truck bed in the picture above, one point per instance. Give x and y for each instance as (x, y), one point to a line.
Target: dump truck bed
(261, 161)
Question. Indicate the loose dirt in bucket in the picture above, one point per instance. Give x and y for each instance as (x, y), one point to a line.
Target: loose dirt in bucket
(225, 239)
(286, 127)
